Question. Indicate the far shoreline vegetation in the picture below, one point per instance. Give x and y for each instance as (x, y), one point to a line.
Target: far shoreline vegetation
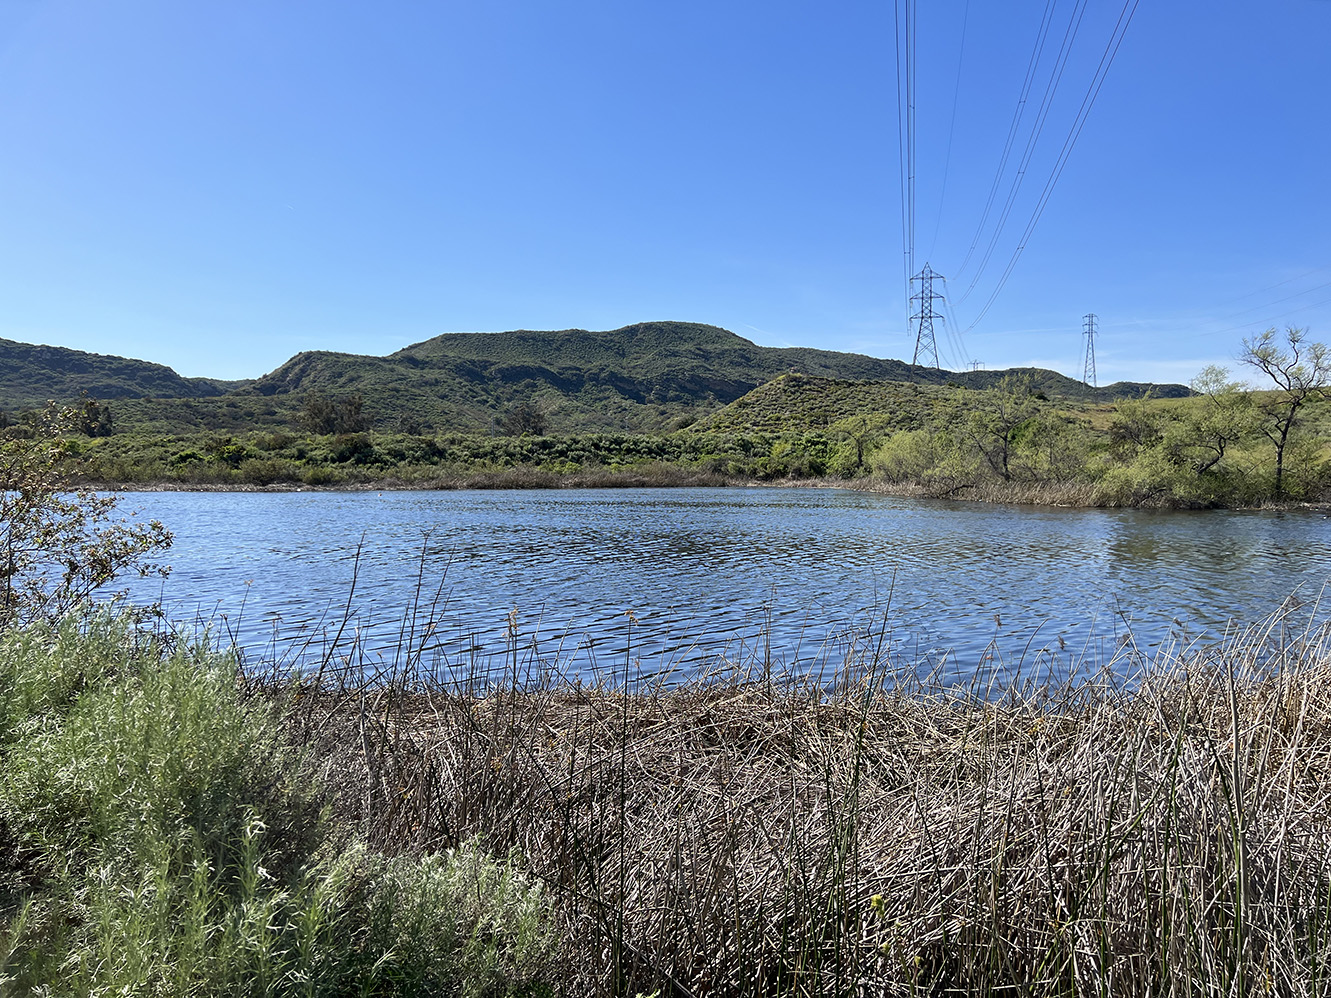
(1022, 437)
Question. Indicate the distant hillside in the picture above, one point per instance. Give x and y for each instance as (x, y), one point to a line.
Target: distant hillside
(645, 377)
(798, 402)
(642, 377)
(30, 374)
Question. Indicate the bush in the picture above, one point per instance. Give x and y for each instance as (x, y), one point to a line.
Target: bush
(163, 839)
(59, 544)
(321, 475)
(265, 471)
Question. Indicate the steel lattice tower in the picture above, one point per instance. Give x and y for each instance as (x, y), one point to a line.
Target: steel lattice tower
(925, 345)
(1088, 330)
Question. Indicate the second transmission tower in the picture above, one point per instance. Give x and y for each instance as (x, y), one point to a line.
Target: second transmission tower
(926, 347)
(1088, 330)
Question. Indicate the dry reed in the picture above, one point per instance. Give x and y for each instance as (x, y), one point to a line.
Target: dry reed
(1167, 835)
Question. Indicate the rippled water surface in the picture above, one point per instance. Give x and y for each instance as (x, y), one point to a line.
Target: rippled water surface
(793, 579)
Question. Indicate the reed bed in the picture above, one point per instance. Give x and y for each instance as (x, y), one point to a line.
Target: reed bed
(1165, 834)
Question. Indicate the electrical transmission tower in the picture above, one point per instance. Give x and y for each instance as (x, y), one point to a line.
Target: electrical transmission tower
(1088, 330)
(926, 348)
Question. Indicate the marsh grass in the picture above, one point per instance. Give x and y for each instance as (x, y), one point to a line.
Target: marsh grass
(877, 833)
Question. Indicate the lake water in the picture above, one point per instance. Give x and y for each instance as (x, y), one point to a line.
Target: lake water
(669, 581)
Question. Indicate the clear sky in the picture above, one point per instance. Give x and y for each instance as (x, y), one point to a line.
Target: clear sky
(218, 185)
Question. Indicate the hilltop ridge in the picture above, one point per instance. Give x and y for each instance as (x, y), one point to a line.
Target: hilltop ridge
(32, 373)
(647, 376)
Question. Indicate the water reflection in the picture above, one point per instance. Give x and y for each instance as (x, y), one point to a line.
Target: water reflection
(792, 578)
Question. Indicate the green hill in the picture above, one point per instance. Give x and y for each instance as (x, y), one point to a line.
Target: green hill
(802, 403)
(645, 377)
(30, 374)
(641, 377)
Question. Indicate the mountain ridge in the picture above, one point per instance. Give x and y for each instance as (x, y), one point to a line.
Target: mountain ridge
(644, 376)
(33, 373)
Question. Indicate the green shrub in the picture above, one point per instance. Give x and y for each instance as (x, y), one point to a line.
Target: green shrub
(321, 475)
(265, 471)
(158, 836)
(61, 544)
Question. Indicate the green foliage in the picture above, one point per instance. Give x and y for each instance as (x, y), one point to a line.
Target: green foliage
(90, 418)
(995, 420)
(1223, 415)
(523, 419)
(162, 839)
(933, 459)
(648, 377)
(59, 545)
(31, 374)
(1011, 439)
(320, 413)
(1301, 373)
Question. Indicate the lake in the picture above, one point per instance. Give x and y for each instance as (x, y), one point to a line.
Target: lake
(671, 581)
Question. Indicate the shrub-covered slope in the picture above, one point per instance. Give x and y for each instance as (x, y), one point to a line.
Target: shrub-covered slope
(30, 374)
(649, 377)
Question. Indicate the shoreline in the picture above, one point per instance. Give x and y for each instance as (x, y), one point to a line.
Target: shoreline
(1052, 494)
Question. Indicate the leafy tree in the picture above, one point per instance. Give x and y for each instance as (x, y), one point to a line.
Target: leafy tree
(90, 417)
(321, 413)
(226, 450)
(1057, 446)
(862, 432)
(995, 419)
(59, 544)
(523, 419)
(408, 423)
(933, 459)
(1301, 373)
(1137, 425)
(1221, 416)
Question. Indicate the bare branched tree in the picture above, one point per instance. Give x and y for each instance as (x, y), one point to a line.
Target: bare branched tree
(1301, 373)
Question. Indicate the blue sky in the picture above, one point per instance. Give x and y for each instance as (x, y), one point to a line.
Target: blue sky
(217, 186)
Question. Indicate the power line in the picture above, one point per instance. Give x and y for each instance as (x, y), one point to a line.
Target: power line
(1032, 140)
(953, 328)
(905, 145)
(1281, 315)
(1013, 128)
(1255, 308)
(1097, 82)
(911, 147)
(1278, 284)
(952, 126)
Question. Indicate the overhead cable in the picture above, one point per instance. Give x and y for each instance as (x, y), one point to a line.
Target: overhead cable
(1013, 128)
(1097, 81)
(952, 127)
(1042, 115)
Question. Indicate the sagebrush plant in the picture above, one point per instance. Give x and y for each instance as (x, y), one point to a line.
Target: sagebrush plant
(59, 544)
(159, 835)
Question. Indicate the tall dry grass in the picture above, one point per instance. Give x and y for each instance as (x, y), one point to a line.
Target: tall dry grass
(883, 835)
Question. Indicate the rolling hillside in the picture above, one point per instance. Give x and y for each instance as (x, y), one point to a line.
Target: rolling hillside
(644, 377)
(647, 376)
(30, 374)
